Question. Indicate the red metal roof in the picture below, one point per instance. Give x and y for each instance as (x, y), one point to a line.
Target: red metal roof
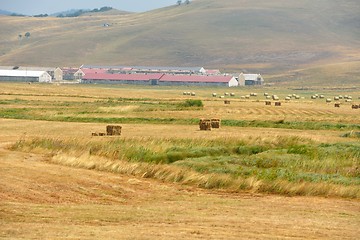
(195, 78)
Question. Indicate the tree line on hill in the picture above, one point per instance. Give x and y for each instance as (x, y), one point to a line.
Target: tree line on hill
(81, 12)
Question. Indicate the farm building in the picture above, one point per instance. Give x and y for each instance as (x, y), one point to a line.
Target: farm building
(24, 76)
(58, 74)
(49, 70)
(147, 69)
(199, 80)
(250, 79)
(159, 79)
(109, 78)
(72, 73)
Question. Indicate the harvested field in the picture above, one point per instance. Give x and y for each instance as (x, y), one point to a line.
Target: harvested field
(166, 179)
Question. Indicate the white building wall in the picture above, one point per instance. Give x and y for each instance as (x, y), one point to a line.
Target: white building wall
(233, 82)
(45, 78)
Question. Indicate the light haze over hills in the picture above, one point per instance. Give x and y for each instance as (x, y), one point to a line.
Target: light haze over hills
(282, 39)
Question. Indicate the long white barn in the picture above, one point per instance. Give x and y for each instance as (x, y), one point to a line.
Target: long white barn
(24, 76)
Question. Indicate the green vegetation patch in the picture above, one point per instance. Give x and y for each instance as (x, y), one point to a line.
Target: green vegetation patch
(285, 160)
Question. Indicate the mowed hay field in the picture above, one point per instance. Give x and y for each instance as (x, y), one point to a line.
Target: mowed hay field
(267, 172)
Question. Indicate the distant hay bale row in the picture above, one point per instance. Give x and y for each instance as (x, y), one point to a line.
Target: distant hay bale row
(208, 124)
(189, 93)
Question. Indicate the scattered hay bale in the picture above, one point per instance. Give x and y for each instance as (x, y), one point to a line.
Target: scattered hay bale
(214, 94)
(278, 104)
(226, 94)
(313, 97)
(193, 94)
(337, 105)
(232, 94)
(337, 98)
(102, 134)
(348, 100)
(354, 106)
(322, 96)
(268, 97)
(328, 100)
(184, 93)
(275, 97)
(113, 130)
(226, 101)
(215, 123)
(266, 94)
(287, 98)
(205, 124)
(267, 103)
(247, 96)
(297, 97)
(94, 134)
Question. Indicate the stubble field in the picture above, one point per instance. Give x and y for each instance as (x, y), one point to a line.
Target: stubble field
(268, 172)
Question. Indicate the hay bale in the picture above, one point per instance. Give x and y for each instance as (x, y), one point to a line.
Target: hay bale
(94, 134)
(287, 98)
(214, 94)
(215, 123)
(278, 104)
(322, 96)
(102, 134)
(226, 94)
(313, 97)
(297, 97)
(266, 94)
(337, 105)
(275, 97)
(232, 94)
(184, 93)
(193, 94)
(226, 101)
(247, 96)
(336, 98)
(328, 100)
(113, 130)
(354, 106)
(268, 97)
(267, 103)
(205, 124)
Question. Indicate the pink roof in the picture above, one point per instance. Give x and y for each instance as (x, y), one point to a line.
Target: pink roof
(121, 77)
(195, 78)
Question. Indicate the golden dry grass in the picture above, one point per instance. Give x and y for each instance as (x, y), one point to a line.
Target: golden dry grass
(55, 197)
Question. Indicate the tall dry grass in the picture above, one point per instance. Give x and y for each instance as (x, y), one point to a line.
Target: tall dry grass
(280, 165)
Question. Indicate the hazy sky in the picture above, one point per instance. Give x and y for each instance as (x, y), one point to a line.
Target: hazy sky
(31, 7)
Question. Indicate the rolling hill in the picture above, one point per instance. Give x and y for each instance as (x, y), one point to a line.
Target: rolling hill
(280, 38)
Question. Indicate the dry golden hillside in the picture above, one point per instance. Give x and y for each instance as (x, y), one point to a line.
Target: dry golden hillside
(233, 35)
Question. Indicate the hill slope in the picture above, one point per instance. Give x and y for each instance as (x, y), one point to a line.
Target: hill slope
(234, 35)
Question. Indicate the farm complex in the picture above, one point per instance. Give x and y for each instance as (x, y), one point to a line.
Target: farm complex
(137, 75)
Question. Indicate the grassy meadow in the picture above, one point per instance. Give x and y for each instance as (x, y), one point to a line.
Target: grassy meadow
(304, 147)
